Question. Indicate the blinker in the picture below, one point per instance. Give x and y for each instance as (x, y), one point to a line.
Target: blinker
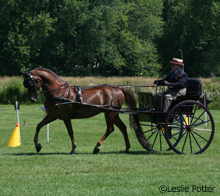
(28, 83)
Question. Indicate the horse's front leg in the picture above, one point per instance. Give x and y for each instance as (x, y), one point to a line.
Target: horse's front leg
(70, 132)
(45, 121)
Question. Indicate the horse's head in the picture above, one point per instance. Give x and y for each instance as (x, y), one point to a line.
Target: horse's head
(32, 84)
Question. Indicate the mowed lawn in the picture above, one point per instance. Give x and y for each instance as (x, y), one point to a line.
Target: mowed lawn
(111, 172)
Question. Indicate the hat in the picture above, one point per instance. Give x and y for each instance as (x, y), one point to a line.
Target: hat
(177, 61)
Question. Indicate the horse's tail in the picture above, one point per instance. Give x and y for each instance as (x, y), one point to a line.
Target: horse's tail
(134, 119)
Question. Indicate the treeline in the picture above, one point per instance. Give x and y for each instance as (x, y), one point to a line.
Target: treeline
(109, 37)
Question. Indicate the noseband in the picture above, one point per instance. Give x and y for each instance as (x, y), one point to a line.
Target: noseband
(30, 82)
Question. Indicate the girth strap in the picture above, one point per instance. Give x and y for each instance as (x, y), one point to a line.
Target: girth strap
(114, 91)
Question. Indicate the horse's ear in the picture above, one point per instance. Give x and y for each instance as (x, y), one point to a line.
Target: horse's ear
(21, 72)
(26, 74)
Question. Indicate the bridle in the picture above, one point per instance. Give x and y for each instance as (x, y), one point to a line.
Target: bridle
(31, 82)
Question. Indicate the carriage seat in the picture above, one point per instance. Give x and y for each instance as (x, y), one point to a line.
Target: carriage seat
(193, 92)
(194, 87)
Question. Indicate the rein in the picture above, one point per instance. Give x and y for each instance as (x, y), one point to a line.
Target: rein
(68, 86)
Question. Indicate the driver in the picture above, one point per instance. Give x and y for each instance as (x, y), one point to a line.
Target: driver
(176, 82)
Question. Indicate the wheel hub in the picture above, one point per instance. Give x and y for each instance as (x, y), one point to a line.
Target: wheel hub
(159, 126)
(189, 128)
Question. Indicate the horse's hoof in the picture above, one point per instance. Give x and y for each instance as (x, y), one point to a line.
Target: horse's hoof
(126, 152)
(38, 147)
(96, 150)
(72, 152)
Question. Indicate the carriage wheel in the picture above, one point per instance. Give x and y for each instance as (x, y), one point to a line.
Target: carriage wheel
(155, 134)
(192, 124)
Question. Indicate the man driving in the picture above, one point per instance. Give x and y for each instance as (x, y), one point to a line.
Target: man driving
(176, 82)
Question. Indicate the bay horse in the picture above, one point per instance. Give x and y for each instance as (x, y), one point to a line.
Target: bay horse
(57, 92)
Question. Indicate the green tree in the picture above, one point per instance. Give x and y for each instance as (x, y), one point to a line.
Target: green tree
(193, 26)
(88, 37)
(146, 25)
(127, 37)
(98, 38)
(24, 27)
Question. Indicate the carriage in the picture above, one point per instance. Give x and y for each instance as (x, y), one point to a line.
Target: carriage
(188, 127)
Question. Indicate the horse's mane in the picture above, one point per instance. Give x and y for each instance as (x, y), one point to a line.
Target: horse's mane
(55, 76)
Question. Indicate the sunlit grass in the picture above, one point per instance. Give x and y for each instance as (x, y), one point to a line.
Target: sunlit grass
(5, 79)
(93, 81)
(54, 172)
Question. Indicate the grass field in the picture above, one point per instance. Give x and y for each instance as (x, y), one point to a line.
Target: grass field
(111, 172)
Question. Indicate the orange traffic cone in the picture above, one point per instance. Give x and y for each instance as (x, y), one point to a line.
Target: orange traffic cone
(15, 138)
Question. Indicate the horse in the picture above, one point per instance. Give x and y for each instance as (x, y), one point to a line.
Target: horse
(65, 102)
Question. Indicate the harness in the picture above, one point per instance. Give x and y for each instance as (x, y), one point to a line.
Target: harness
(78, 91)
(113, 91)
(30, 81)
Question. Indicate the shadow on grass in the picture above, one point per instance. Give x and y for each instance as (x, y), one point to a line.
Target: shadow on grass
(36, 154)
(140, 153)
(88, 153)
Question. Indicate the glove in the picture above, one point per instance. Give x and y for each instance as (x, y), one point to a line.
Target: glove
(156, 81)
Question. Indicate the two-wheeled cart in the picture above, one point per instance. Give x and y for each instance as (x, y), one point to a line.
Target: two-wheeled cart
(188, 127)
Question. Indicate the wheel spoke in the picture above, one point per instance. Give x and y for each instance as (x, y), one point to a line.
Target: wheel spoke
(198, 117)
(154, 133)
(200, 136)
(181, 114)
(177, 134)
(155, 140)
(147, 125)
(190, 143)
(149, 130)
(208, 130)
(184, 142)
(203, 122)
(176, 127)
(151, 135)
(196, 141)
(160, 143)
(193, 114)
(177, 118)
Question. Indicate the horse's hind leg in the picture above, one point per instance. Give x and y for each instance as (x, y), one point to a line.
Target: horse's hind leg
(45, 121)
(110, 128)
(70, 131)
(117, 121)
